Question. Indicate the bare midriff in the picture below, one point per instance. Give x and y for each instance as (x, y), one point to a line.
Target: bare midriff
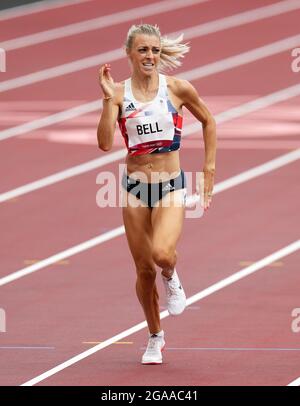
(155, 167)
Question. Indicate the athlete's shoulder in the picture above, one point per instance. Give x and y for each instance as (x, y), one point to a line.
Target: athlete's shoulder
(180, 87)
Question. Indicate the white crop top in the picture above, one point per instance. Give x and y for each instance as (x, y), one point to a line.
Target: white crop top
(150, 127)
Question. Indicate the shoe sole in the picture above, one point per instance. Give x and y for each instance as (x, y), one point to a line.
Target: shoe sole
(154, 363)
(176, 314)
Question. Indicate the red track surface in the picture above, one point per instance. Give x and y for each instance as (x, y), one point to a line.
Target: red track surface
(90, 296)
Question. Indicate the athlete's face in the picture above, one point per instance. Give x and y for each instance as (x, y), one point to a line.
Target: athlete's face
(145, 53)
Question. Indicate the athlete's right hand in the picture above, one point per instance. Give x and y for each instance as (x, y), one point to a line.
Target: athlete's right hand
(106, 81)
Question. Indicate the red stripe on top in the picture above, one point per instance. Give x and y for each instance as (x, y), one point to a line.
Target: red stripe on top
(151, 144)
(177, 119)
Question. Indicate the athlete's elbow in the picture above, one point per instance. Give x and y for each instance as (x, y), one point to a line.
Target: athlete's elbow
(213, 121)
(209, 121)
(104, 141)
(104, 147)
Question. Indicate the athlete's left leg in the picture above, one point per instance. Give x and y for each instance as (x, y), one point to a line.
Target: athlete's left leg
(167, 221)
(167, 226)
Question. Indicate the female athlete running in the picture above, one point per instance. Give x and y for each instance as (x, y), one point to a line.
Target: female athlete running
(148, 107)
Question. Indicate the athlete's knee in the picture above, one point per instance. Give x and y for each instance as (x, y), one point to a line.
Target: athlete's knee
(145, 271)
(164, 258)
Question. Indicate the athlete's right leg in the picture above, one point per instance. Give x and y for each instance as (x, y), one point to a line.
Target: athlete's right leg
(137, 222)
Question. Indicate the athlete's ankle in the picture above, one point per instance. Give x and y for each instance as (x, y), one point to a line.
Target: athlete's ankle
(160, 333)
(168, 272)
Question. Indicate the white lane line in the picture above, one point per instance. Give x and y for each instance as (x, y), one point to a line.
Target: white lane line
(51, 119)
(92, 61)
(98, 23)
(220, 118)
(63, 175)
(296, 382)
(243, 58)
(108, 21)
(226, 349)
(289, 249)
(61, 70)
(64, 254)
(257, 171)
(26, 348)
(251, 106)
(243, 18)
(45, 5)
(193, 74)
(116, 232)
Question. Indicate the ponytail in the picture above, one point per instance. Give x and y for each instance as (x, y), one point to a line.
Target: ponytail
(172, 50)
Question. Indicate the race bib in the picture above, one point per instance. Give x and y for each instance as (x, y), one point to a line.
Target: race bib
(152, 129)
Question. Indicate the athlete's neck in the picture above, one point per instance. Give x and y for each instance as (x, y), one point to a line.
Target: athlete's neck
(145, 83)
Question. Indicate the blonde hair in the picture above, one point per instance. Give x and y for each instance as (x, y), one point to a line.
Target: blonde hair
(172, 50)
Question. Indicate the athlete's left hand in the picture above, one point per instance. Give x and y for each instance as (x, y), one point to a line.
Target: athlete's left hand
(209, 175)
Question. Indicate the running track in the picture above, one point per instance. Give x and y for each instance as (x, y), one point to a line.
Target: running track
(238, 335)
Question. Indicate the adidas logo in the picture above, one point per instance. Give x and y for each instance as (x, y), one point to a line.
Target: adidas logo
(168, 187)
(130, 107)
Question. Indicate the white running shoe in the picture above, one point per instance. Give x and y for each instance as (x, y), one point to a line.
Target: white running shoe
(153, 354)
(176, 299)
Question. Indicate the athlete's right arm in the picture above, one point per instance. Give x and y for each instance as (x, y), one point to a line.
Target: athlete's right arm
(107, 123)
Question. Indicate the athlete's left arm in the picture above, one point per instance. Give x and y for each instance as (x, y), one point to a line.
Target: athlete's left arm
(191, 100)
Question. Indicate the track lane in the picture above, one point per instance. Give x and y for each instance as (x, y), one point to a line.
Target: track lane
(40, 317)
(41, 56)
(246, 32)
(37, 22)
(216, 88)
(55, 303)
(53, 221)
(225, 339)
